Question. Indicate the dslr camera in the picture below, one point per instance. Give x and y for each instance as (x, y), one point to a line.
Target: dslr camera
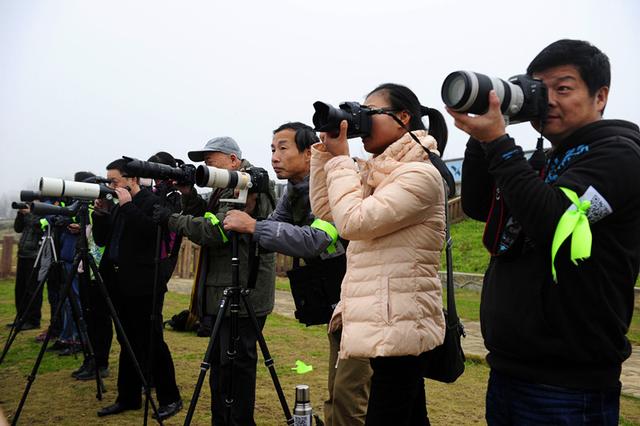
(522, 98)
(327, 118)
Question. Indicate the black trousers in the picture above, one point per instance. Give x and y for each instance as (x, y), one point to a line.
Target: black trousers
(244, 374)
(397, 392)
(24, 289)
(97, 318)
(135, 314)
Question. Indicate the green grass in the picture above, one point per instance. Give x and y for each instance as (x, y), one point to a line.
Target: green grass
(55, 398)
(469, 255)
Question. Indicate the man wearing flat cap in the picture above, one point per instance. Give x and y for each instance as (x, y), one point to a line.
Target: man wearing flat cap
(201, 222)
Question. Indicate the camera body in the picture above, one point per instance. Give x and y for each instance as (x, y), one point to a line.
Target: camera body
(327, 118)
(185, 174)
(522, 98)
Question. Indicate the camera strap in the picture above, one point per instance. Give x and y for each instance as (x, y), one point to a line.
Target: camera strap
(435, 159)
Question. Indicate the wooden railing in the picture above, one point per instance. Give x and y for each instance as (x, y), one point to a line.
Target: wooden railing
(190, 252)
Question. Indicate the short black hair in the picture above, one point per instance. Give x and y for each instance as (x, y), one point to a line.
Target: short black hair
(163, 157)
(120, 165)
(82, 176)
(305, 135)
(592, 64)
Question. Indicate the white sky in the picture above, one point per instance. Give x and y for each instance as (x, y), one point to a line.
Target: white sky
(85, 82)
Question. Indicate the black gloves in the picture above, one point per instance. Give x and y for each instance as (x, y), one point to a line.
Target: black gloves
(161, 214)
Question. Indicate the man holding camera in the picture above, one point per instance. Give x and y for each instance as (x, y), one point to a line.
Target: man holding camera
(214, 274)
(558, 295)
(129, 236)
(293, 230)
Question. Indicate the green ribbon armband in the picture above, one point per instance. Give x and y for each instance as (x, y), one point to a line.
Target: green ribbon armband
(43, 224)
(330, 230)
(216, 222)
(574, 223)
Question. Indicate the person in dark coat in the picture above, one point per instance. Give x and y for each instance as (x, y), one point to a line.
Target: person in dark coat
(128, 234)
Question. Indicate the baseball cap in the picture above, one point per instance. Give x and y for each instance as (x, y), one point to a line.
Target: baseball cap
(223, 144)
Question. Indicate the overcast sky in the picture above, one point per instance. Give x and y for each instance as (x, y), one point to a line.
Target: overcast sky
(85, 82)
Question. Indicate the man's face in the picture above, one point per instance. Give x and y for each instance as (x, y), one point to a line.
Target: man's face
(222, 160)
(570, 105)
(119, 181)
(286, 160)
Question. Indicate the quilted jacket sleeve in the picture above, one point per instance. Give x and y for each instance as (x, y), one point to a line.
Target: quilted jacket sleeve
(318, 195)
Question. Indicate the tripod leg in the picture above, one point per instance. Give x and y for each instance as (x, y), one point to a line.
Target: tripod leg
(19, 320)
(31, 378)
(153, 319)
(87, 348)
(206, 363)
(268, 361)
(125, 340)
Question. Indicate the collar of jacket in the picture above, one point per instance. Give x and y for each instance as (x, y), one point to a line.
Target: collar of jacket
(404, 150)
(596, 131)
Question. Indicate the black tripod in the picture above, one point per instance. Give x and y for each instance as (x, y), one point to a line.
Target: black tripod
(231, 301)
(56, 266)
(82, 255)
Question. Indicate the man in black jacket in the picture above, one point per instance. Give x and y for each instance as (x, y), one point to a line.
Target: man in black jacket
(558, 294)
(29, 226)
(127, 266)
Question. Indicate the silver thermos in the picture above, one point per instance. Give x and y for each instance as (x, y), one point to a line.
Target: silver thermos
(302, 412)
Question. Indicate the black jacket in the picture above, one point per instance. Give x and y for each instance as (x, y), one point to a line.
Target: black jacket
(29, 225)
(136, 246)
(570, 333)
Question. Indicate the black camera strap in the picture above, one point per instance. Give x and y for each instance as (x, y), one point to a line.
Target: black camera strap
(435, 159)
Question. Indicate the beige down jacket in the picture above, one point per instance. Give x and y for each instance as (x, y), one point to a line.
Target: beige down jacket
(391, 208)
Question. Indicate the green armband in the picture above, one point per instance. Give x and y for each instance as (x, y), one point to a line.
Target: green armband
(216, 222)
(330, 230)
(574, 223)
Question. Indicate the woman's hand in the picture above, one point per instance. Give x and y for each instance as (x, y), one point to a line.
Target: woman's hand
(337, 145)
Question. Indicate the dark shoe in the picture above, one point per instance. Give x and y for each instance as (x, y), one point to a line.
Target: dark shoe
(28, 326)
(116, 408)
(41, 336)
(166, 411)
(90, 374)
(11, 324)
(72, 349)
(86, 365)
(58, 345)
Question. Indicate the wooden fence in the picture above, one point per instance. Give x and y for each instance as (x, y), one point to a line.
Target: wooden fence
(190, 252)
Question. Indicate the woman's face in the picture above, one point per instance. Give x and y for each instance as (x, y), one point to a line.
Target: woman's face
(384, 129)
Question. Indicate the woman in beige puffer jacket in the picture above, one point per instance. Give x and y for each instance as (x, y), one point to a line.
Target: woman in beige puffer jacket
(391, 208)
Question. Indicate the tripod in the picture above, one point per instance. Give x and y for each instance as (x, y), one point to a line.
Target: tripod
(82, 255)
(47, 242)
(231, 301)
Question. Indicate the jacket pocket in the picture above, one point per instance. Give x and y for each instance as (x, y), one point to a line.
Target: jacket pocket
(384, 299)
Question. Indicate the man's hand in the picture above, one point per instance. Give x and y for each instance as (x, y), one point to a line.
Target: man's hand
(485, 128)
(239, 221)
(23, 211)
(124, 196)
(73, 228)
(161, 214)
(337, 145)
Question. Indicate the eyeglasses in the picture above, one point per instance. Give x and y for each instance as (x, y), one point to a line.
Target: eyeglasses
(387, 111)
